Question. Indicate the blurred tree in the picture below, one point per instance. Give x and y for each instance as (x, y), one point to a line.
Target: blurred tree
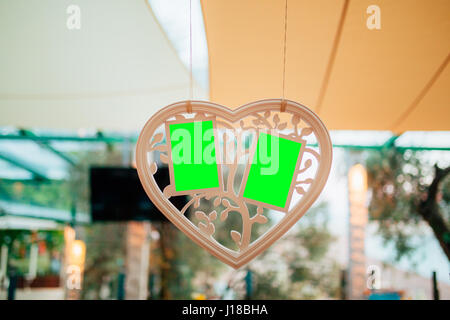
(104, 258)
(297, 265)
(19, 242)
(105, 241)
(405, 192)
(110, 155)
(178, 261)
(53, 194)
(184, 267)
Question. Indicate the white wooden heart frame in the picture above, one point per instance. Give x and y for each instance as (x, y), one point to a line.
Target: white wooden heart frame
(301, 123)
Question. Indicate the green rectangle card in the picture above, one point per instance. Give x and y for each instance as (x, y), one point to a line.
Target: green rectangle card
(193, 163)
(272, 171)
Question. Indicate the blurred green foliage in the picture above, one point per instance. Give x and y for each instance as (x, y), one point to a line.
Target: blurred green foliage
(297, 266)
(50, 244)
(399, 180)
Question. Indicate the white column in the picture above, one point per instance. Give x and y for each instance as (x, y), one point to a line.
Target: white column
(357, 185)
(137, 260)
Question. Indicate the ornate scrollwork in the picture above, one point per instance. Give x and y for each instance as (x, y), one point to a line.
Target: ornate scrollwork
(226, 199)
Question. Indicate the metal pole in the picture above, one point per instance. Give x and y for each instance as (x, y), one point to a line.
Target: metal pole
(121, 287)
(343, 284)
(435, 287)
(12, 284)
(248, 285)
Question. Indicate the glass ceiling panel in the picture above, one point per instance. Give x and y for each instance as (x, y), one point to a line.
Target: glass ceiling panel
(43, 161)
(32, 155)
(427, 139)
(8, 130)
(359, 138)
(10, 171)
(84, 133)
(75, 146)
(26, 210)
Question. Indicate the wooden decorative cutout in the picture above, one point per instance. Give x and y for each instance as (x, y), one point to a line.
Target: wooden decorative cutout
(236, 134)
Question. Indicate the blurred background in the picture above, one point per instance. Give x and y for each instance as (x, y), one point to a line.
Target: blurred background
(80, 78)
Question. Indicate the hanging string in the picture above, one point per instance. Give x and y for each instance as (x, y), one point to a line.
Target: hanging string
(190, 50)
(283, 102)
(191, 89)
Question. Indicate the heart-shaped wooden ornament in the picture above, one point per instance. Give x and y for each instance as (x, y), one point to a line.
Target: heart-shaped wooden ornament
(230, 219)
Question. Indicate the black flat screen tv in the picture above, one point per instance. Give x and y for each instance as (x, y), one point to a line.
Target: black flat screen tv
(117, 195)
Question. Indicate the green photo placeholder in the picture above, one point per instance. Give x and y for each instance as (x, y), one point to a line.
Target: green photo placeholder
(196, 173)
(273, 188)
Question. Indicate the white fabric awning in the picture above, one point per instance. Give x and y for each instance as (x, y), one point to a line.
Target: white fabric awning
(113, 73)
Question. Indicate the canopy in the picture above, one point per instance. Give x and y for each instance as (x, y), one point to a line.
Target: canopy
(121, 66)
(396, 78)
(113, 73)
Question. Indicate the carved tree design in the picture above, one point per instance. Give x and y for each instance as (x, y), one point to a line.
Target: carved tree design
(227, 197)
